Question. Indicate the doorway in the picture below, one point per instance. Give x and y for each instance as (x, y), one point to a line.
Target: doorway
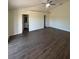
(25, 19)
(44, 21)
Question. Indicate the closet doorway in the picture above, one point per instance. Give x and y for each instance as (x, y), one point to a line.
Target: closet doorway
(25, 19)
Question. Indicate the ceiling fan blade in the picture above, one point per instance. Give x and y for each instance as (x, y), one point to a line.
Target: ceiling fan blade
(36, 5)
(43, 3)
(53, 4)
(47, 1)
(50, 1)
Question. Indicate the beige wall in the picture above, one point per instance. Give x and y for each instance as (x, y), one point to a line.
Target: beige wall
(13, 23)
(36, 21)
(60, 17)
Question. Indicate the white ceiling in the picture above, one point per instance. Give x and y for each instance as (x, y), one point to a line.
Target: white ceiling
(32, 4)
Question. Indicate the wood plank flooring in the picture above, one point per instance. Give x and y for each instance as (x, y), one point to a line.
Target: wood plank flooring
(48, 43)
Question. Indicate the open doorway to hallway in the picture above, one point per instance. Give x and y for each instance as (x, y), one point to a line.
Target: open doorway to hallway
(44, 21)
(25, 19)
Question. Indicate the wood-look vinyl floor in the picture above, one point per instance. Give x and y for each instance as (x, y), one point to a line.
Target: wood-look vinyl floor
(48, 43)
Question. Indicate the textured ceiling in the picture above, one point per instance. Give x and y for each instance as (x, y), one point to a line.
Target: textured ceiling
(33, 4)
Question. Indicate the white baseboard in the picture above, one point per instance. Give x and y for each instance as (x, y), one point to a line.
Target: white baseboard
(13, 34)
(61, 29)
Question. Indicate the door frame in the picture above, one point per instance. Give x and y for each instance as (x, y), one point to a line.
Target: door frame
(23, 21)
(44, 21)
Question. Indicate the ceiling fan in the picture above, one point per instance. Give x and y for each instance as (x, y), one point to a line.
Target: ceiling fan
(49, 3)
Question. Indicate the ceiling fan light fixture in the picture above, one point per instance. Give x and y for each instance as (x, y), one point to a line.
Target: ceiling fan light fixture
(47, 5)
